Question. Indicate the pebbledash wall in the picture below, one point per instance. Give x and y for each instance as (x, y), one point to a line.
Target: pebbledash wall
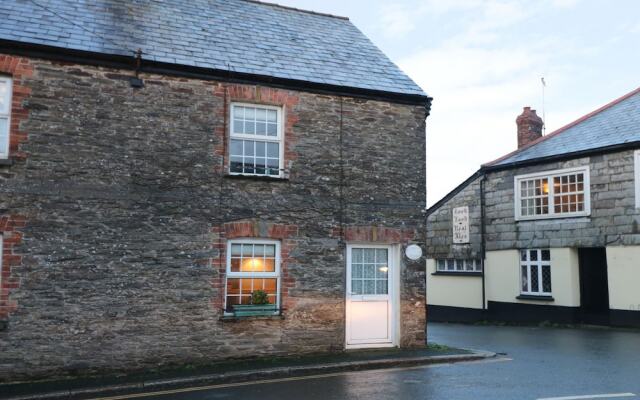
(115, 214)
(614, 224)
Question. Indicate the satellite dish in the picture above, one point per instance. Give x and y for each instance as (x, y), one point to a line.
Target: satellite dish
(413, 252)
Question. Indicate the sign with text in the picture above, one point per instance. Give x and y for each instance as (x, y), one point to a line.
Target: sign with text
(461, 225)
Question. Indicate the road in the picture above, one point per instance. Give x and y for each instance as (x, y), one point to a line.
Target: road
(538, 363)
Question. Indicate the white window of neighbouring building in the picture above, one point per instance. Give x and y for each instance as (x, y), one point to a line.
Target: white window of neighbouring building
(458, 265)
(535, 272)
(256, 140)
(637, 174)
(553, 194)
(5, 115)
(253, 276)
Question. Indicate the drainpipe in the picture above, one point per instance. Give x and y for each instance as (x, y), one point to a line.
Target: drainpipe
(482, 242)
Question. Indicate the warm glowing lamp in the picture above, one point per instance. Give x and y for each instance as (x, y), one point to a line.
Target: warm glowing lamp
(252, 265)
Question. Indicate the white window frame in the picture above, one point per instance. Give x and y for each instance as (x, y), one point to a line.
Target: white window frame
(279, 138)
(549, 175)
(477, 265)
(248, 275)
(537, 265)
(7, 115)
(636, 170)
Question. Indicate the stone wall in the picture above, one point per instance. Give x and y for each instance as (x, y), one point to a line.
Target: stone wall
(614, 220)
(440, 230)
(125, 209)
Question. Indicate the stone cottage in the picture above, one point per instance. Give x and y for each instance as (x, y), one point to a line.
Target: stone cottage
(190, 181)
(549, 232)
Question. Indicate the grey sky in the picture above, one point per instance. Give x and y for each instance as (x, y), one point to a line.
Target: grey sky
(482, 62)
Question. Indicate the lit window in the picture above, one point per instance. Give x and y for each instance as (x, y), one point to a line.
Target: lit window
(535, 272)
(552, 194)
(256, 140)
(252, 265)
(458, 265)
(5, 115)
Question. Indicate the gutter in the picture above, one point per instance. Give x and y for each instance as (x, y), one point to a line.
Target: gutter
(171, 69)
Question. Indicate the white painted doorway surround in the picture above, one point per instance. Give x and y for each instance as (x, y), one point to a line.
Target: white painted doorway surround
(371, 296)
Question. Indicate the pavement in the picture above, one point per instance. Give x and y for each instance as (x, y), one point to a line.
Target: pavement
(532, 363)
(236, 373)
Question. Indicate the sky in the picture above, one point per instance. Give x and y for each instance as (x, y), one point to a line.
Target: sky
(482, 61)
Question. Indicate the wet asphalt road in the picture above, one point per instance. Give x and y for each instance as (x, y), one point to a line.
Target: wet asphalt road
(542, 363)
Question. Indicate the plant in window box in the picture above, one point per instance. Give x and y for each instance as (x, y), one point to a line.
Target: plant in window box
(259, 305)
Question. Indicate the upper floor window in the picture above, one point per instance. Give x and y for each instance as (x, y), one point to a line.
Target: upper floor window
(535, 267)
(553, 194)
(256, 140)
(5, 115)
(637, 175)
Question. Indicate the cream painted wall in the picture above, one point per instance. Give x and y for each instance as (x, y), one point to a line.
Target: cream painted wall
(503, 277)
(623, 266)
(453, 291)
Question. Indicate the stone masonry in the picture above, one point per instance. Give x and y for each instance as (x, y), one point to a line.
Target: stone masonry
(116, 209)
(614, 220)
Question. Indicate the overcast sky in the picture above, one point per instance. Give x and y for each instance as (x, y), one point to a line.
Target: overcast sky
(482, 62)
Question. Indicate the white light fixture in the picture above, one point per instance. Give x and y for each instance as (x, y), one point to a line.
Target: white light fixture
(413, 252)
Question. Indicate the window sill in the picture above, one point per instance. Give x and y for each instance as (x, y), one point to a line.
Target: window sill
(234, 318)
(6, 161)
(557, 219)
(462, 273)
(535, 297)
(257, 177)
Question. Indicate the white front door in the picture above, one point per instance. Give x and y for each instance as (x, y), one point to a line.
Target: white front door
(369, 296)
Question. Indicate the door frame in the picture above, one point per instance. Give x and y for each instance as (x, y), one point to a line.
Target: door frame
(394, 294)
(588, 316)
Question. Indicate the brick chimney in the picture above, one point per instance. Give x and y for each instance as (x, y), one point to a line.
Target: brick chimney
(529, 127)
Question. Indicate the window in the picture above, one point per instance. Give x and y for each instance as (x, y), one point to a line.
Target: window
(369, 271)
(256, 140)
(535, 269)
(458, 265)
(252, 265)
(552, 194)
(637, 174)
(5, 115)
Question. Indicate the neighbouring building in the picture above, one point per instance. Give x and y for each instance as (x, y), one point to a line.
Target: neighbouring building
(549, 232)
(189, 181)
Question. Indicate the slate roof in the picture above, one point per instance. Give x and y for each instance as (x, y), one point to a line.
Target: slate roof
(241, 35)
(614, 124)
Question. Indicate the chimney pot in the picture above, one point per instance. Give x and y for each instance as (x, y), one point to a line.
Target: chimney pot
(529, 127)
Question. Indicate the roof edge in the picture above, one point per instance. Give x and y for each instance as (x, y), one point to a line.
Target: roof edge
(564, 128)
(454, 192)
(276, 5)
(128, 62)
(565, 156)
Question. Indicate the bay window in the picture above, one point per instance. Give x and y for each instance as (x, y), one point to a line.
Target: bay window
(256, 140)
(553, 194)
